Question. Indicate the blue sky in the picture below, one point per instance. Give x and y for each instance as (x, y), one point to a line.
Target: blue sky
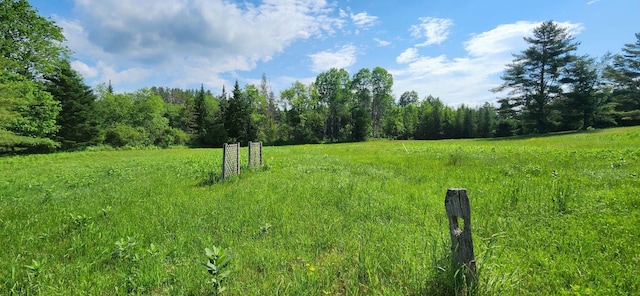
(455, 50)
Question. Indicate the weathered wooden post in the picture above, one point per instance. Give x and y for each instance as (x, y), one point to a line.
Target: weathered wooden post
(457, 205)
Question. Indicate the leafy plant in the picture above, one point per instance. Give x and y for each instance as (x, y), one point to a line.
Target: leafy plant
(153, 250)
(211, 177)
(105, 211)
(35, 268)
(456, 158)
(265, 228)
(77, 222)
(123, 247)
(217, 263)
(562, 195)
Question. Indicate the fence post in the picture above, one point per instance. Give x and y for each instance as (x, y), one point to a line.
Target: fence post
(260, 153)
(238, 158)
(224, 161)
(250, 147)
(457, 205)
(255, 154)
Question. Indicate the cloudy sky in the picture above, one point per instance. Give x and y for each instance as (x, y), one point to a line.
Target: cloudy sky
(455, 50)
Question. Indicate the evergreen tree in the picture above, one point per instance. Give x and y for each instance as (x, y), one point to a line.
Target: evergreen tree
(218, 134)
(625, 77)
(486, 121)
(237, 116)
(533, 78)
(469, 121)
(431, 118)
(77, 118)
(110, 87)
(586, 103)
(190, 117)
(200, 116)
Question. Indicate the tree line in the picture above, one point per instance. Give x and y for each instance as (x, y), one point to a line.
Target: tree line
(46, 106)
(336, 107)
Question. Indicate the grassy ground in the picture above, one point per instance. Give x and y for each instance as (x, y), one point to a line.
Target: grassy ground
(550, 215)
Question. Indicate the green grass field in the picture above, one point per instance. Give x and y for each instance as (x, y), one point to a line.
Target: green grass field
(553, 214)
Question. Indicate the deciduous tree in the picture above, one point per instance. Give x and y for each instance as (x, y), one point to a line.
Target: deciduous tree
(381, 87)
(33, 42)
(27, 116)
(408, 97)
(361, 109)
(333, 89)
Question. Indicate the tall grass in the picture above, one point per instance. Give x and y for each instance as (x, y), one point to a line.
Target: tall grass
(550, 215)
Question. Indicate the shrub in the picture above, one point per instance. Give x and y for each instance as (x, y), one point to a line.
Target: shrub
(124, 135)
(171, 136)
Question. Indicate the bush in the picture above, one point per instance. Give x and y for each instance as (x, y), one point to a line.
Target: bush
(124, 135)
(171, 136)
(12, 143)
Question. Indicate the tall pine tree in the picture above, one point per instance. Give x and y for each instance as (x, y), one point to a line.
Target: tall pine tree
(533, 78)
(77, 119)
(625, 76)
(586, 103)
(237, 116)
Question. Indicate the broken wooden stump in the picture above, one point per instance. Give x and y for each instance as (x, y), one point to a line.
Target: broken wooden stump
(458, 208)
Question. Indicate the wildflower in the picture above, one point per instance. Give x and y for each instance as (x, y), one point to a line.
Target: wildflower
(312, 268)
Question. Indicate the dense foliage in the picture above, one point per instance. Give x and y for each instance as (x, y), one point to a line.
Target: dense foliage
(45, 105)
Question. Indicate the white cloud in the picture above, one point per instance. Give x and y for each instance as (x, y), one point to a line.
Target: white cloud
(177, 39)
(284, 82)
(325, 60)
(84, 69)
(508, 36)
(382, 43)
(434, 30)
(363, 19)
(572, 28)
(466, 79)
(501, 39)
(129, 75)
(592, 2)
(407, 56)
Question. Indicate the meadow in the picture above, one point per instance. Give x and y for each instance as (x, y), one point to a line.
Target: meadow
(551, 215)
